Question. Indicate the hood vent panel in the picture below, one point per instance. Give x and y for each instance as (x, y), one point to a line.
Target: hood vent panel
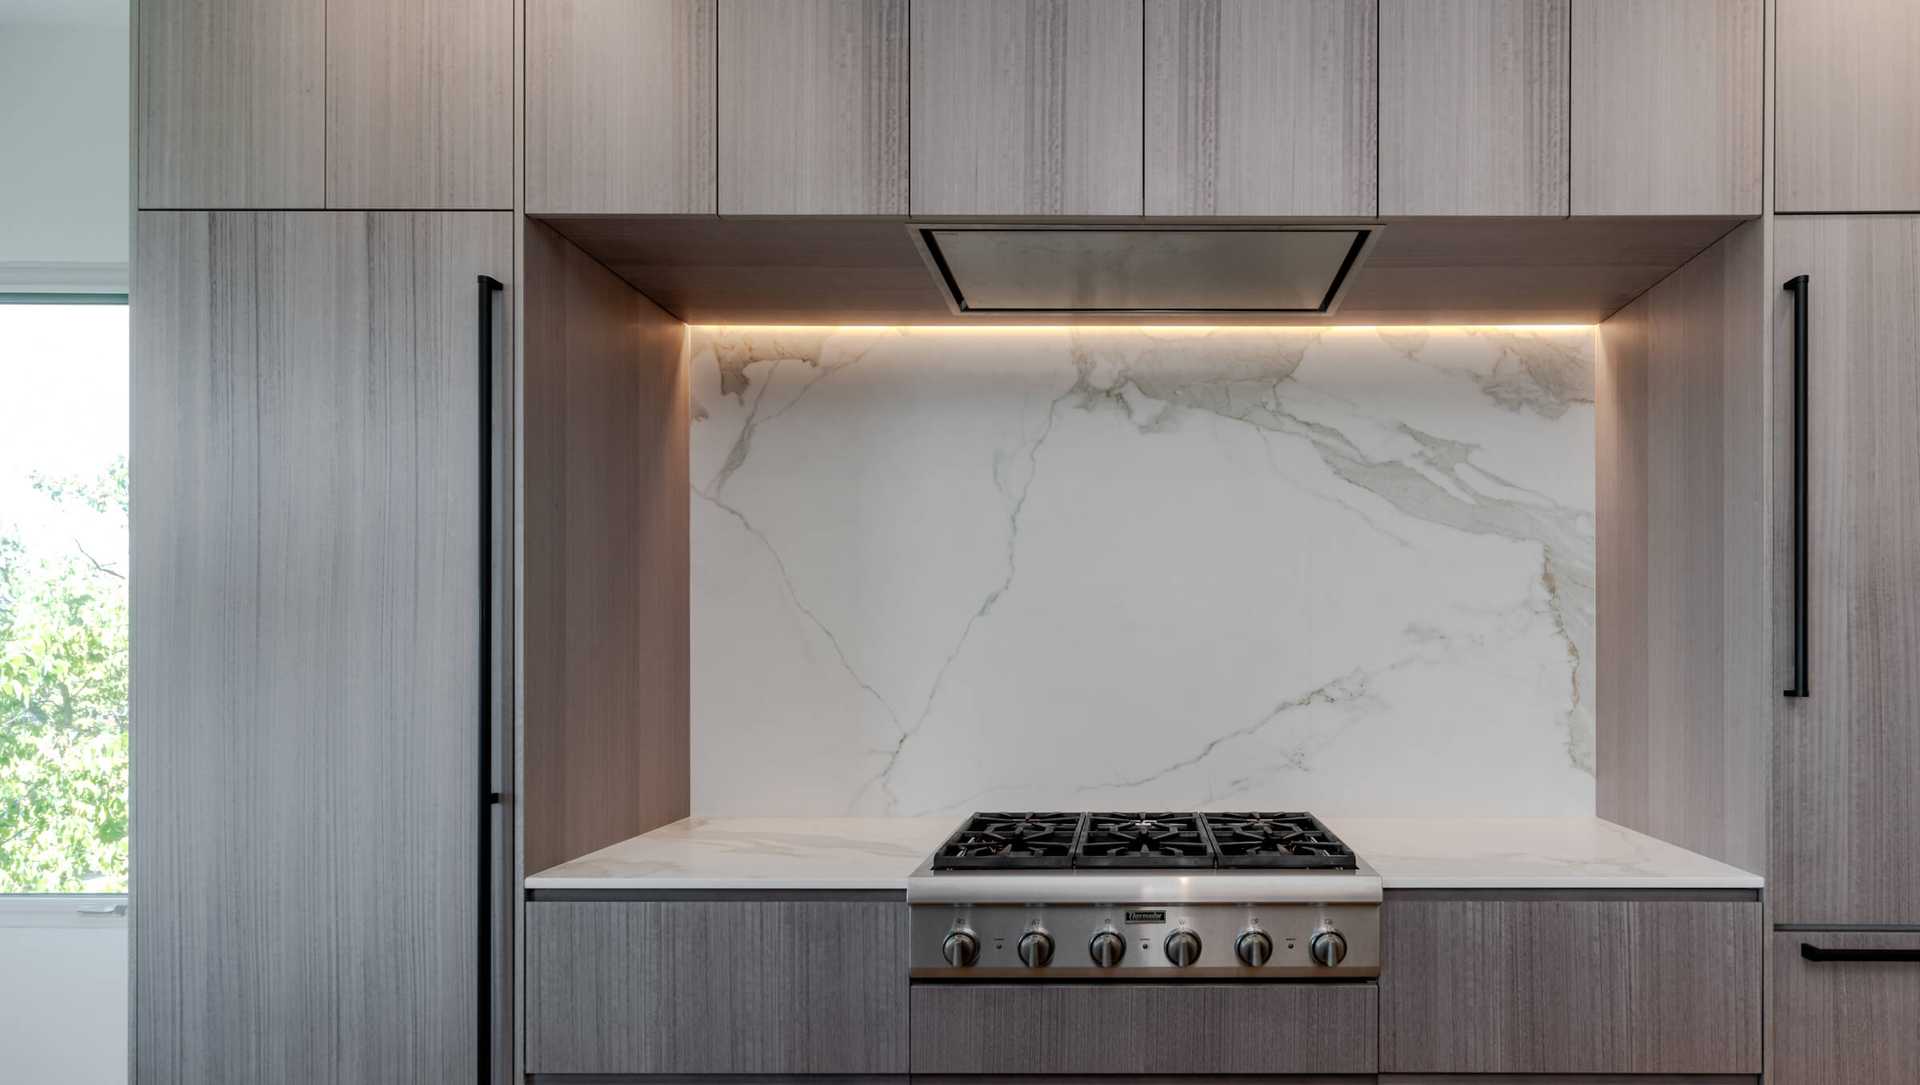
(1088, 270)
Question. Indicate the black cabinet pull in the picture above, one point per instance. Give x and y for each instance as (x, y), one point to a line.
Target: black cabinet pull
(1797, 286)
(490, 287)
(1814, 953)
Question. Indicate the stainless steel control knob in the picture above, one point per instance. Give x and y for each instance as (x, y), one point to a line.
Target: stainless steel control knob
(961, 949)
(1183, 948)
(1253, 948)
(1036, 949)
(1329, 947)
(1107, 948)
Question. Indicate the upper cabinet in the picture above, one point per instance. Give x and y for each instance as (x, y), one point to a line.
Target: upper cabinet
(813, 107)
(231, 103)
(620, 106)
(420, 103)
(1260, 107)
(1473, 107)
(1847, 95)
(1026, 107)
(1667, 107)
(349, 103)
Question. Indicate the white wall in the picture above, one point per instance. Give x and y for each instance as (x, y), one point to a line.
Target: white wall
(64, 192)
(63, 993)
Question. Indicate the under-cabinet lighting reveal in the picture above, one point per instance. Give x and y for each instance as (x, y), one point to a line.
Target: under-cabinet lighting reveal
(940, 569)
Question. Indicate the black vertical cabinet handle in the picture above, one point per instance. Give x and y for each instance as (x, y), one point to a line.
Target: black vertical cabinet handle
(490, 288)
(1815, 953)
(1797, 286)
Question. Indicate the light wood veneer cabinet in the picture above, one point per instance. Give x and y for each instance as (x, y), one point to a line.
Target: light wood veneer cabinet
(620, 106)
(1667, 107)
(1847, 1007)
(306, 627)
(813, 107)
(231, 107)
(420, 104)
(1473, 107)
(1261, 107)
(717, 987)
(1026, 107)
(1556, 986)
(1846, 826)
(401, 104)
(1847, 95)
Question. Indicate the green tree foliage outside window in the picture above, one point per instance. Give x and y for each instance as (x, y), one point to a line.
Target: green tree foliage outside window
(63, 706)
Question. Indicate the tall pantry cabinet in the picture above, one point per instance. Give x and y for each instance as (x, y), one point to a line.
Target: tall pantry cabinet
(323, 260)
(1846, 816)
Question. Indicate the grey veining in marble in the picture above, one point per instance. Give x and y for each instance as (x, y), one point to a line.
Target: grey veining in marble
(937, 570)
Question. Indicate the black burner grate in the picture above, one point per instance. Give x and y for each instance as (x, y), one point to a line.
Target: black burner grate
(1295, 840)
(1113, 841)
(1016, 841)
(1144, 840)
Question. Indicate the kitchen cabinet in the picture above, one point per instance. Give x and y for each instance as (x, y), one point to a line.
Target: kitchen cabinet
(1473, 985)
(1143, 1028)
(716, 987)
(1667, 107)
(1473, 107)
(1846, 824)
(813, 107)
(420, 103)
(1026, 107)
(307, 631)
(1847, 96)
(620, 106)
(1261, 107)
(348, 104)
(231, 103)
(1848, 1015)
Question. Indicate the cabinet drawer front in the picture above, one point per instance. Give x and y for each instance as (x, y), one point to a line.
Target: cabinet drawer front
(716, 987)
(1137, 1028)
(1570, 987)
(1845, 1022)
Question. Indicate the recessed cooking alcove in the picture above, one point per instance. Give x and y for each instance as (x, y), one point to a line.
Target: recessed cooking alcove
(713, 270)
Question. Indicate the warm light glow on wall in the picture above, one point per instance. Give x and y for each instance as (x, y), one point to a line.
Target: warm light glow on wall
(1155, 329)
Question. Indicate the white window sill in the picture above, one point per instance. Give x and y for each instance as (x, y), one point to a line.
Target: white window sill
(106, 911)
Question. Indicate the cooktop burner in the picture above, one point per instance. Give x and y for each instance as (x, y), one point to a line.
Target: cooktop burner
(1143, 840)
(1011, 842)
(1129, 841)
(1276, 840)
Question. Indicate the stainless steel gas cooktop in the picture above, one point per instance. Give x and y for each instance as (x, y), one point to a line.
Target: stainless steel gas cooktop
(1137, 895)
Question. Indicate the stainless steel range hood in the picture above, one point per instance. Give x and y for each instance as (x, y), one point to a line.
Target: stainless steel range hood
(1081, 269)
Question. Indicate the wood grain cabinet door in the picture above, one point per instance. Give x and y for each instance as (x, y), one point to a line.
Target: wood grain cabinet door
(1261, 107)
(1026, 107)
(231, 107)
(1847, 97)
(813, 107)
(305, 632)
(620, 106)
(1473, 107)
(1846, 827)
(1475, 986)
(1667, 107)
(716, 987)
(1850, 1015)
(420, 104)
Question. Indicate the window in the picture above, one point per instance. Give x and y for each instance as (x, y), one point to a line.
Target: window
(63, 595)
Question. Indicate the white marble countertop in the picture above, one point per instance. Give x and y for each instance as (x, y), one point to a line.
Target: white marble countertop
(1528, 853)
(879, 853)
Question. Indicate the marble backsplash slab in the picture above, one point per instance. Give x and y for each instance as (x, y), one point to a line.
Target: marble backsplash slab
(938, 570)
